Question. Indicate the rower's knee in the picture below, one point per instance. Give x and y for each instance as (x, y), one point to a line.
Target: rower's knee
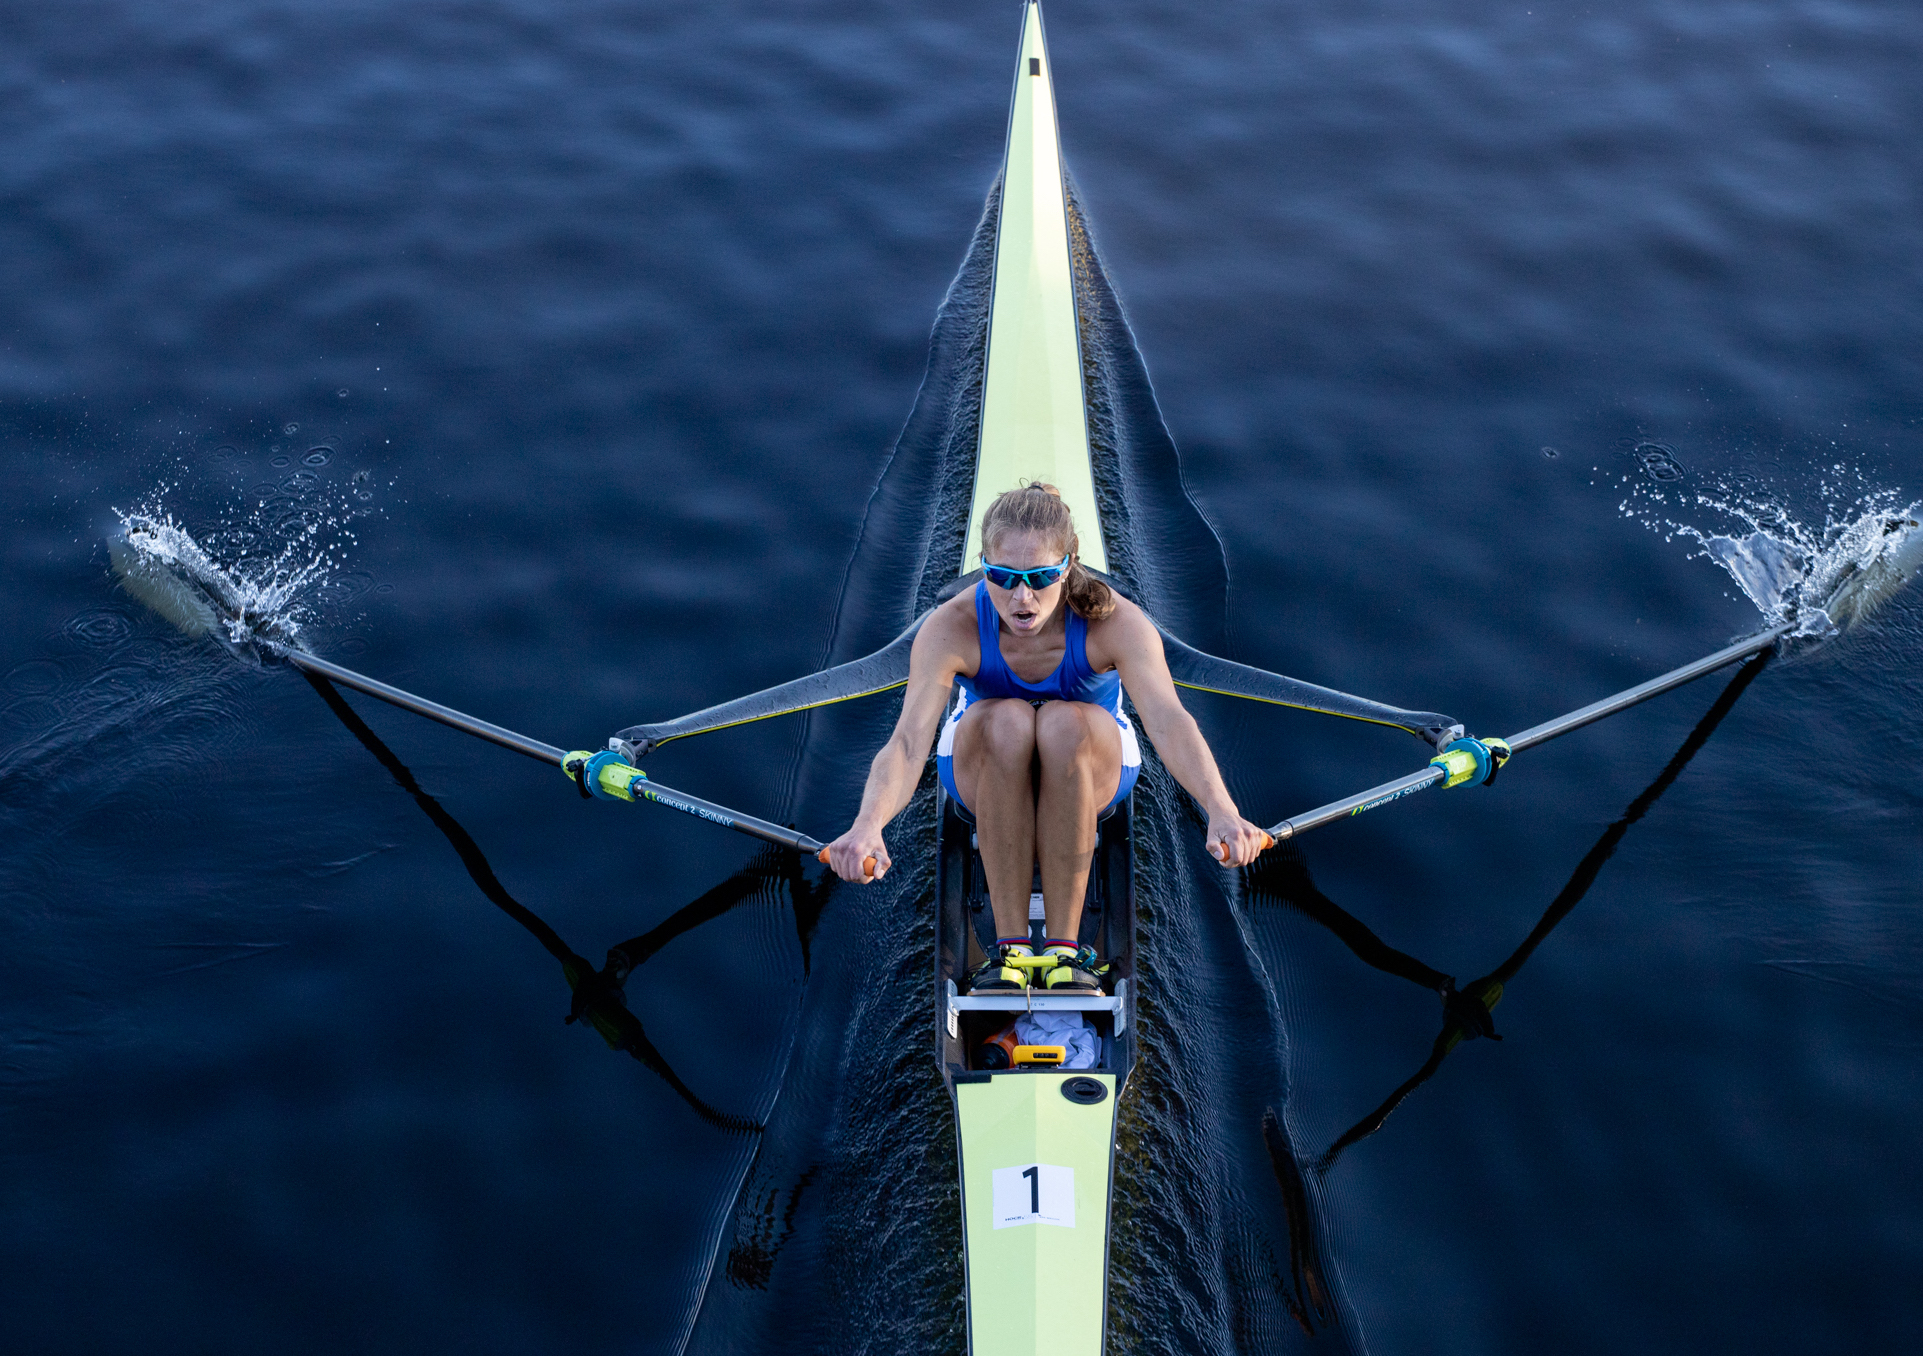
(1007, 732)
(1063, 736)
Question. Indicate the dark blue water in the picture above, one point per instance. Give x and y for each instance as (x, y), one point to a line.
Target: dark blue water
(630, 306)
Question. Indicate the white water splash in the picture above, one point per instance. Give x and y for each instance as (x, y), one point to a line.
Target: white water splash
(1822, 580)
(256, 581)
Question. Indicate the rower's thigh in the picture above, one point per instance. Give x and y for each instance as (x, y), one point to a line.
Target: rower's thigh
(1080, 732)
(995, 738)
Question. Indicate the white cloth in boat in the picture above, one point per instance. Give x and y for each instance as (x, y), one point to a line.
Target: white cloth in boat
(1060, 1028)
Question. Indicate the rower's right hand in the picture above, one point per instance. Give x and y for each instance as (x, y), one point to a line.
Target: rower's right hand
(859, 855)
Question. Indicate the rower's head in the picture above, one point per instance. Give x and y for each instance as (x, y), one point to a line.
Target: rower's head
(1031, 560)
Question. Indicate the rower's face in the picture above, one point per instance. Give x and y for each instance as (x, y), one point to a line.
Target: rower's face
(1025, 610)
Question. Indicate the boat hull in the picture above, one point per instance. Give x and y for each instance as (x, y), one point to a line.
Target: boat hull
(1036, 1145)
(1034, 422)
(1037, 1162)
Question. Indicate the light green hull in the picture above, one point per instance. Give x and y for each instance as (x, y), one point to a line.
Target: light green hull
(1036, 1163)
(1037, 1279)
(1034, 420)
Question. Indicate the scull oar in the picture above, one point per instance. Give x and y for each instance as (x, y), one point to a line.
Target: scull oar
(420, 706)
(1435, 774)
(605, 775)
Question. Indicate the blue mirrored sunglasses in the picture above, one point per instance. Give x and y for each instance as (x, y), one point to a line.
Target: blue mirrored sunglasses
(1038, 578)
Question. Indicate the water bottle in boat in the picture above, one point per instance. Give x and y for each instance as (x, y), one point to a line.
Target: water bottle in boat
(998, 1051)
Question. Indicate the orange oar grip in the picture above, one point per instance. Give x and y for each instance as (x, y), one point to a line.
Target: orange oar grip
(867, 863)
(1223, 855)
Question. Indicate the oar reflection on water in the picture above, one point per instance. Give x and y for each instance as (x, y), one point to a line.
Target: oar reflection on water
(597, 995)
(1282, 877)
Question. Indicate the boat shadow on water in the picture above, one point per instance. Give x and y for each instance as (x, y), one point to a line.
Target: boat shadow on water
(843, 1230)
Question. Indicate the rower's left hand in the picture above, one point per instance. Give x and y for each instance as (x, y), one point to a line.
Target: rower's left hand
(1233, 841)
(859, 855)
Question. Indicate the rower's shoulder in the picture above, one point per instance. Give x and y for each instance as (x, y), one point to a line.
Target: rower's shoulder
(1127, 620)
(958, 611)
(950, 624)
(1126, 636)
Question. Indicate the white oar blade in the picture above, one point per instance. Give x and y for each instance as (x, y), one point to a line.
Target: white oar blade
(156, 585)
(1824, 585)
(1869, 565)
(161, 564)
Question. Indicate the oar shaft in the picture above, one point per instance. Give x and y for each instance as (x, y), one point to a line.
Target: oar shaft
(652, 790)
(1535, 734)
(1356, 804)
(1642, 692)
(763, 829)
(421, 706)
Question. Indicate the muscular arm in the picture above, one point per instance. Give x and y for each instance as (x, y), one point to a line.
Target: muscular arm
(1129, 641)
(940, 652)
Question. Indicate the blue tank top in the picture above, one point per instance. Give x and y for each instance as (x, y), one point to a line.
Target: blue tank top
(1072, 681)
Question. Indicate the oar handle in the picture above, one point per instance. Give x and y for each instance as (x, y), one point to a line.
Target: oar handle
(1268, 841)
(867, 864)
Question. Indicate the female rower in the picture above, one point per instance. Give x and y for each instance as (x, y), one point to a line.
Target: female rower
(1037, 747)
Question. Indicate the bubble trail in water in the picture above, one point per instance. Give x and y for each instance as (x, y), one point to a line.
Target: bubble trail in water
(1823, 580)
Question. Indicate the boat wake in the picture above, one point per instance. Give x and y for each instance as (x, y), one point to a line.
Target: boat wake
(844, 1231)
(1822, 581)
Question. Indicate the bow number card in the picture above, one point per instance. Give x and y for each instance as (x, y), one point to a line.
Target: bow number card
(1036, 1193)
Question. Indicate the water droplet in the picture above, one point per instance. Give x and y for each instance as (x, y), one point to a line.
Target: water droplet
(343, 589)
(239, 541)
(1658, 461)
(100, 629)
(317, 456)
(1550, 452)
(342, 393)
(358, 483)
(297, 520)
(290, 429)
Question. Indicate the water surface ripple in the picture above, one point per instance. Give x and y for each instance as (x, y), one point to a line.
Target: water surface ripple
(612, 324)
